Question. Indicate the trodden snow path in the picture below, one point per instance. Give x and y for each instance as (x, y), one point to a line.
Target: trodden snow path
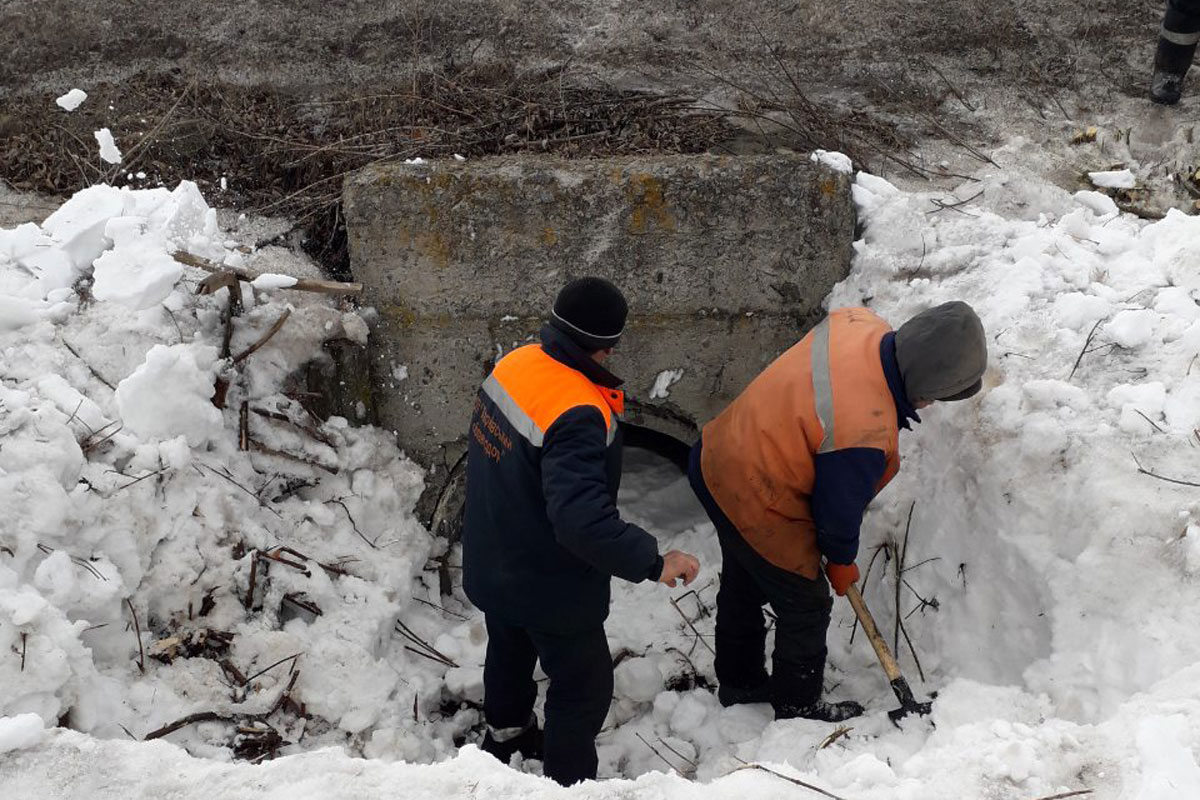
(1048, 587)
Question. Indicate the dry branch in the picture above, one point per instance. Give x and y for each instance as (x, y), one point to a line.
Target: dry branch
(137, 631)
(699, 637)
(301, 284)
(1152, 474)
(266, 337)
(789, 779)
(91, 369)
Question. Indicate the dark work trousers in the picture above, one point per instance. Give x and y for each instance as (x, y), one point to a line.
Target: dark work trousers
(581, 685)
(1182, 17)
(801, 606)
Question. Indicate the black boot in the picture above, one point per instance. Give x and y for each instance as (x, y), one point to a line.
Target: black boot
(820, 710)
(734, 696)
(529, 743)
(1171, 64)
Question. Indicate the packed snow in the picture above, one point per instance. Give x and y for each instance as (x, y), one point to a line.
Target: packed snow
(71, 100)
(1049, 528)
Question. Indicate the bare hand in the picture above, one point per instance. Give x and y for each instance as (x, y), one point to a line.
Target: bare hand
(677, 564)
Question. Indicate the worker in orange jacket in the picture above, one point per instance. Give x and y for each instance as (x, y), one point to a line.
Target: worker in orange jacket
(787, 470)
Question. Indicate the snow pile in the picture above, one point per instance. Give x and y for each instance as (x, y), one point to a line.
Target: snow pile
(141, 571)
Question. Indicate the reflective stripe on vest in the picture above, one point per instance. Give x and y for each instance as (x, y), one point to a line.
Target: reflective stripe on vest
(532, 390)
(823, 384)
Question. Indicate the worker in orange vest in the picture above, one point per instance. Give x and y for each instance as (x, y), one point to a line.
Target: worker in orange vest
(542, 536)
(787, 470)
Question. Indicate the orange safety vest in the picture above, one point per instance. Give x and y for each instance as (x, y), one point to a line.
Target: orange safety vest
(532, 390)
(828, 392)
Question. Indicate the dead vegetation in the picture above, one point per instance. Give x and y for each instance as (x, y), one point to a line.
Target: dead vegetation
(273, 153)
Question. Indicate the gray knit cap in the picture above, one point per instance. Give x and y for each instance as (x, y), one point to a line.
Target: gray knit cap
(942, 353)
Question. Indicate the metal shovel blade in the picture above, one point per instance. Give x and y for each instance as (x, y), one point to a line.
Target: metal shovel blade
(908, 703)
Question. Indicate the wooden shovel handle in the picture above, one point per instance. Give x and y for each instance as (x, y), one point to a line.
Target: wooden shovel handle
(886, 660)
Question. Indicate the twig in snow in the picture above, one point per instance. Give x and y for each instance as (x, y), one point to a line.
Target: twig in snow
(882, 548)
(259, 447)
(654, 750)
(1152, 422)
(920, 564)
(244, 426)
(90, 443)
(311, 431)
(1086, 343)
(957, 206)
(949, 85)
(681, 756)
(203, 716)
(353, 524)
(23, 644)
(699, 637)
(229, 478)
(91, 369)
(274, 329)
(137, 630)
(267, 669)
(249, 601)
(443, 609)
(840, 732)
(158, 471)
(301, 284)
(790, 779)
(429, 651)
(1145, 471)
(901, 552)
(1064, 795)
(77, 561)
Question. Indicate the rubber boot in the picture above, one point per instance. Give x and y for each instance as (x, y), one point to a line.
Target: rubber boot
(1171, 64)
(820, 710)
(529, 743)
(734, 696)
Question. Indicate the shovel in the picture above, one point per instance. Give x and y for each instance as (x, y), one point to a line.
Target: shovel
(908, 703)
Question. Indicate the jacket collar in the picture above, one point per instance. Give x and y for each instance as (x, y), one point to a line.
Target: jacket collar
(895, 381)
(563, 349)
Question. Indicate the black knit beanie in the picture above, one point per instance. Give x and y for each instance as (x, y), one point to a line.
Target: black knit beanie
(592, 312)
(942, 353)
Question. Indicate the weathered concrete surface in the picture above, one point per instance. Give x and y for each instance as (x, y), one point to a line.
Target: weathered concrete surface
(725, 262)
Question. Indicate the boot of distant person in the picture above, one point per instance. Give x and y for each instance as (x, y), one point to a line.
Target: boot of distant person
(1176, 46)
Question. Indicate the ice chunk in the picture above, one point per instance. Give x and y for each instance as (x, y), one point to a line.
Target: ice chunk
(138, 275)
(1132, 328)
(78, 225)
(71, 100)
(170, 395)
(108, 148)
(1113, 179)
(270, 280)
(21, 731)
(1098, 202)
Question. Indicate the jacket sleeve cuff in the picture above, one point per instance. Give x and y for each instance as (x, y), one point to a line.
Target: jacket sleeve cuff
(655, 569)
